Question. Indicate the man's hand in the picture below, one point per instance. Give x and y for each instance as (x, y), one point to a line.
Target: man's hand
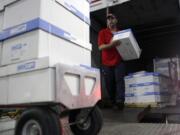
(112, 44)
(115, 43)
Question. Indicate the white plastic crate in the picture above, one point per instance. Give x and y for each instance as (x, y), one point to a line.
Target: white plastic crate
(28, 87)
(1, 20)
(0, 52)
(147, 87)
(38, 44)
(4, 90)
(4, 3)
(151, 99)
(25, 82)
(149, 92)
(147, 77)
(129, 48)
(71, 16)
(129, 98)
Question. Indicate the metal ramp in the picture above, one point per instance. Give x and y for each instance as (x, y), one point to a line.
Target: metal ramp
(140, 129)
(113, 128)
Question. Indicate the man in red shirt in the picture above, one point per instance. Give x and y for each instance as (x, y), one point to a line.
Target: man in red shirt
(113, 69)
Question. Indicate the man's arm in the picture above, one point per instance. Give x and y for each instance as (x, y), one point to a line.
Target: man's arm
(110, 45)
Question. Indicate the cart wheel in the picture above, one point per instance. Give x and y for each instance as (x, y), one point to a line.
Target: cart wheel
(38, 121)
(91, 126)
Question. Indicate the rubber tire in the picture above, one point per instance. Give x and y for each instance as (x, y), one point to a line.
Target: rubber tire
(48, 121)
(96, 122)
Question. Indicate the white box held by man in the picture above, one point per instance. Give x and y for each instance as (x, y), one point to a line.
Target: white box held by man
(129, 48)
(71, 16)
(38, 44)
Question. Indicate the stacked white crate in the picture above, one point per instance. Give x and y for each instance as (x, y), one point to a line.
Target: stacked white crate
(35, 36)
(64, 29)
(145, 88)
(129, 48)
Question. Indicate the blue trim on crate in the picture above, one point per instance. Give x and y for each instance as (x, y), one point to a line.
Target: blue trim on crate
(129, 95)
(35, 24)
(144, 84)
(128, 77)
(153, 93)
(147, 94)
(76, 12)
(145, 74)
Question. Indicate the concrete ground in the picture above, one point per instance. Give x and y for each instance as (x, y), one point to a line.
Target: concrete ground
(115, 123)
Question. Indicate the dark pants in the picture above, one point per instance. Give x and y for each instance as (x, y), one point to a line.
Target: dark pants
(114, 82)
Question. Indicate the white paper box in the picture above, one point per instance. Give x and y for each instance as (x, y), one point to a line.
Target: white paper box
(0, 52)
(37, 86)
(26, 66)
(151, 90)
(4, 3)
(1, 5)
(52, 12)
(146, 77)
(4, 90)
(151, 99)
(3, 71)
(128, 81)
(163, 81)
(129, 49)
(37, 44)
(141, 88)
(74, 6)
(129, 98)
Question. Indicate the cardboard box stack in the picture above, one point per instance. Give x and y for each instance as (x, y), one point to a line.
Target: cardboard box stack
(35, 35)
(146, 88)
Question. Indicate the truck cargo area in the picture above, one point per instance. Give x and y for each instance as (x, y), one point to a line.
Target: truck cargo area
(155, 24)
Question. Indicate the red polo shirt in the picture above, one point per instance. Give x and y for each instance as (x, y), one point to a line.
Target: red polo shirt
(110, 57)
